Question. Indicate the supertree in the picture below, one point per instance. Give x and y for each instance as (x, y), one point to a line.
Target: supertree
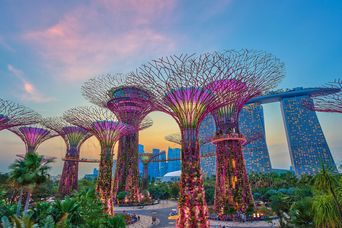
(328, 102)
(131, 105)
(104, 125)
(178, 85)
(12, 114)
(73, 137)
(33, 135)
(145, 159)
(258, 72)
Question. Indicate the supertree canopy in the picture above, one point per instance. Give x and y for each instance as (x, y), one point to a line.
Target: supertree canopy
(33, 135)
(104, 125)
(131, 105)
(73, 137)
(12, 114)
(179, 86)
(331, 102)
(258, 72)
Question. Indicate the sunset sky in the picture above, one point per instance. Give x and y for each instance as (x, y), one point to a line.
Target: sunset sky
(49, 48)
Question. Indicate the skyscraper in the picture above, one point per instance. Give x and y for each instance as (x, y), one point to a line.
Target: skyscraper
(255, 152)
(140, 165)
(173, 165)
(153, 168)
(206, 130)
(162, 164)
(307, 145)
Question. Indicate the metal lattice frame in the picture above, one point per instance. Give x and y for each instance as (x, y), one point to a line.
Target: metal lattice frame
(104, 125)
(258, 73)
(33, 135)
(178, 84)
(73, 137)
(331, 102)
(13, 114)
(131, 105)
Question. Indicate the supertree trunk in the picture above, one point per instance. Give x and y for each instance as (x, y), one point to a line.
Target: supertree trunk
(69, 178)
(104, 183)
(127, 171)
(192, 207)
(223, 192)
(145, 176)
(232, 192)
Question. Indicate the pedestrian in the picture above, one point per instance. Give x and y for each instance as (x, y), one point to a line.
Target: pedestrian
(138, 217)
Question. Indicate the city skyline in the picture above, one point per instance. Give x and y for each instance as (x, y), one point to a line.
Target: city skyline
(44, 62)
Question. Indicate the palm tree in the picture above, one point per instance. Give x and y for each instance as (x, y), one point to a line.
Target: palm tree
(29, 173)
(326, 182)
(17, 172)
(325, 213)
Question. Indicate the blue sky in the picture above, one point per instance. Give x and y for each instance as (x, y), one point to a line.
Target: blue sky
(48, 48)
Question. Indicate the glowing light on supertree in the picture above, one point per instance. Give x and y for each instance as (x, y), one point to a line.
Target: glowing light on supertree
(12, 114)
(258, 72)
(328, 102)
(178, 84)
(73, 137)
(131, 105)
(33, 135)
(104, 125)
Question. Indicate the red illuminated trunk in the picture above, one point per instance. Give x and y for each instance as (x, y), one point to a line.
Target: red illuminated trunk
(192, 207)
(127, 171)
(69, 178)
(104, 183)
(232, 191)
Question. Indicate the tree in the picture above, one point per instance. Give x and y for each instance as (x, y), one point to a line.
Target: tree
(301, 213)
(29, 173)
(327, 182)
(121, 196)
(174, 190)
(325, 212)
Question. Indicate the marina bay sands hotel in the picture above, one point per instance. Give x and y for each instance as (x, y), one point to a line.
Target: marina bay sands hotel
(308, 147)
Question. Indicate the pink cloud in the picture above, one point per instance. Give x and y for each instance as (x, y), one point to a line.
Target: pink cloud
(30, 93)
(92, 39)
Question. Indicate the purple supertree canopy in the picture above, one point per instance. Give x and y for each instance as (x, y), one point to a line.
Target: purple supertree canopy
(73, 135)
(178, 85)
(331, 102)
(129, 103)
(12, 114)
(258, 73)
(33, 135)
(102, 123)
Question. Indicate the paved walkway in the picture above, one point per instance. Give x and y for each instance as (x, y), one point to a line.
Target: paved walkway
(145, 221)
(162, 210)
(162, 204)
(259, 224)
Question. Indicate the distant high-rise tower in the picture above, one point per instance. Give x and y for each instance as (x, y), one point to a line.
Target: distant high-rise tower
(307, 145)
(153, 168)
(173, 165)
(140, 165)
(251, 122)
(162, 165)
(206, 130)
